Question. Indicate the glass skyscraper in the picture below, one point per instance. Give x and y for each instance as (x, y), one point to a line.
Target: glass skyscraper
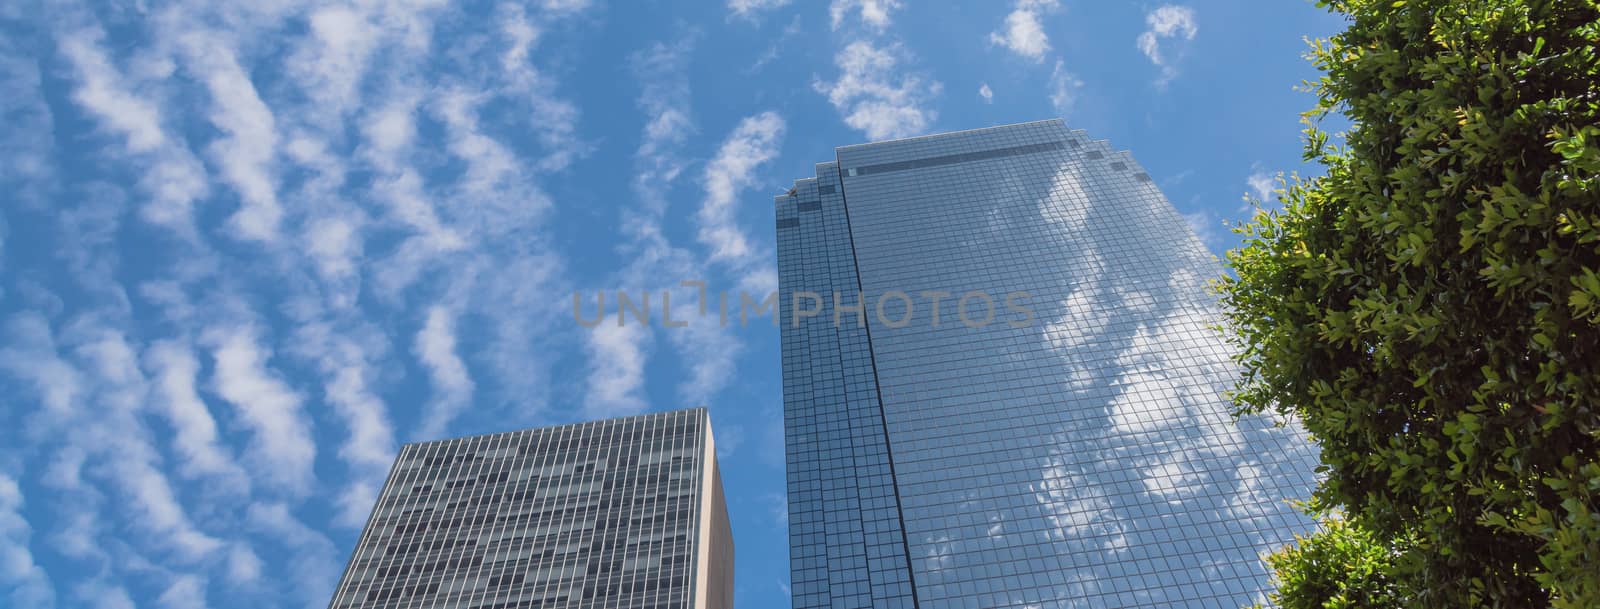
(1002, 389)
(618, 514)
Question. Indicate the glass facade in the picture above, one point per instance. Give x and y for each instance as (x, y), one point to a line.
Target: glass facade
(1002, 389)
(618, 514)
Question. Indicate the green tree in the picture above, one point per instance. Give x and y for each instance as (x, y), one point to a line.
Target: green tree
(1340, 567)
(1430, 308)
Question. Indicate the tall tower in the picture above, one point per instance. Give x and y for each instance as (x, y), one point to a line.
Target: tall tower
(1001, 388)
(621, 514)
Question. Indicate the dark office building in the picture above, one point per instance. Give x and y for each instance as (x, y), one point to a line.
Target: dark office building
(619, 514)
(1001, 387)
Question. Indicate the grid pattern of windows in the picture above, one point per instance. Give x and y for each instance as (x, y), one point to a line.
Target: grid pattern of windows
(1074, 451)
(847, 548)
(616, 514)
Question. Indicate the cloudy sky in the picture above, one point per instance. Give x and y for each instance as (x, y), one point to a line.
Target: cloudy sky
(248, 249)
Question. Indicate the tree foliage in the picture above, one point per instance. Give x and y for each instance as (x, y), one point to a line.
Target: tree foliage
(1340, 567)
(1430, 308)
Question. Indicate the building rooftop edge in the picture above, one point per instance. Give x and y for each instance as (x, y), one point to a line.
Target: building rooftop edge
(605, 420)
(944, 133)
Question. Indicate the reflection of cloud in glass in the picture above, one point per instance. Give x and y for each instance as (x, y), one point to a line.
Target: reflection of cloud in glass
(938, 557)
(1135, 333)
(1086, 460)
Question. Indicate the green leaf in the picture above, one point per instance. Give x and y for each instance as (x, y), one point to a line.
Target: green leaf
(1429, 308)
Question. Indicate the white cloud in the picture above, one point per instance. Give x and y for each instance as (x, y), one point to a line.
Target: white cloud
(344, 359)
(480, 238)
(461, 214)
(749, 9)
(710, 351)
(986, 93)
(563, 7)
(754, 142)
(247, 151)
(452, 386)
(664, 99)
(171, 176)
(388, 134)
(243, 565)
(1204, 226)
(390, 129)
(658, 265)
(1022, 32)
(552, 118)
(185, 592)
(154, 505)
(313, 569)
(874, 98)
(281, 449)
(331, 60)
(27, 582)
(518, 312)
(513, 268)
(1170, 22)
(335, 244)
(334, 58)
(493, 198)
(102, 92)
(1063, 88)
(99, 594)
(873, 13)
(775, 46)
(617, 356)
(26, 169)
(174, 369)
(98, 422)
(1262, 185)
(30, 355)
(79, 529)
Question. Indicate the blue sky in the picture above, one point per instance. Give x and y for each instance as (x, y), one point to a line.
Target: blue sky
(247, 249)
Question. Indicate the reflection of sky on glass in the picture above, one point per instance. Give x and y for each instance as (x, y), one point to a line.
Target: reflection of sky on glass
(1087, 459)
(845, 540)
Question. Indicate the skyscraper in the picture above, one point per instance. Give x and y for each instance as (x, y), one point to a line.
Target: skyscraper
(1001, 388)
(619, 514)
